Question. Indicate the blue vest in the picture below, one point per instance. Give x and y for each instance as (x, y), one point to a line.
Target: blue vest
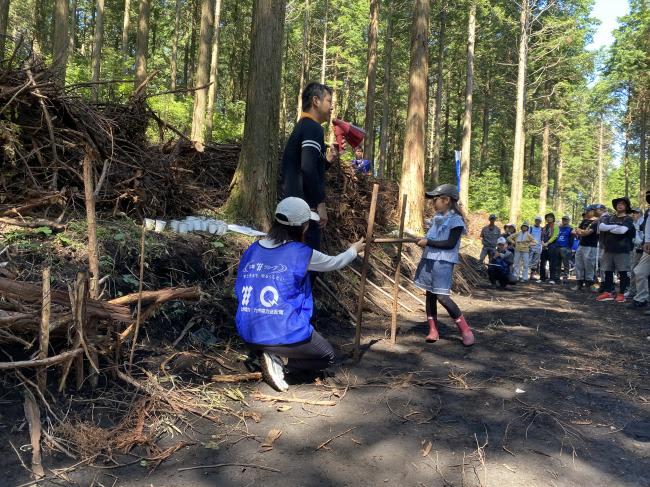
(441, 225)
(274, 293)
(564, 236)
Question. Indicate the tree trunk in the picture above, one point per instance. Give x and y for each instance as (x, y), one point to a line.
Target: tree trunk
(486, 122)
(174, 60)
(516, 190)
(543, 177)
(412, 181)
(93, 249)
(97, 48)
(192, 52)
(384, 134)
(203, 71)
(39, 26)
(72, 28)
(303, 57)
(557, 194)
(4, 23)
(600, 160)
(531, 159)
(335, 97)
(253, 188)
(643, 183)
(466, 145)
(142, 44)
(435, 153)
(60, 44)
(628, 134)
(323, 66)
(125, 28)
(371, 82)
(214, 65)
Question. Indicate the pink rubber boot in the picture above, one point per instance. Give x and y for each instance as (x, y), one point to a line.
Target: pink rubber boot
(465, 332)
(433, 331)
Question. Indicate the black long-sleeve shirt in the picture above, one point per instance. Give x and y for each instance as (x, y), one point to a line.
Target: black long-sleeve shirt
(304, 163)
(454, 235)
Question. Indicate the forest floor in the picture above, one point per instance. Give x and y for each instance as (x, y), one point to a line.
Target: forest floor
(555, 392)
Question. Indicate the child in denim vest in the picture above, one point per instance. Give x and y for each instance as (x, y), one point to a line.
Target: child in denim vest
(435, 271)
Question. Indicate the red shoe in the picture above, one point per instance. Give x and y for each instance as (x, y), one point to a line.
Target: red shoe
(606, 296)
(620, 298)
(433, 331)
(465, 332)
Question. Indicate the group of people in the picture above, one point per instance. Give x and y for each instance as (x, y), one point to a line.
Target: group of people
(275, 275)
(605, 242)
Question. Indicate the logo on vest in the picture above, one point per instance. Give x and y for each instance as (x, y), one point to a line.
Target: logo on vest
(274, 296)
(246, 295)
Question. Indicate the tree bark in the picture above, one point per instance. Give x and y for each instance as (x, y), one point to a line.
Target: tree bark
(93, 250)
(174, 60)
(557, 194)
(600, 160)
(371, 82)
(516, 190)
(412, 181)
(203, 71)
(626, 150)
(39, 26)
(72, 28)
(214, 66)
(303, 57)
(125, 27)
(142, 44)
(323, 66)
(466, 144)
(384, 133)
(97, 48)
(486, 122)
(435, 153)
(4, 22)
(543, 177)
(60, 44)
(253, 188)
(643, 182)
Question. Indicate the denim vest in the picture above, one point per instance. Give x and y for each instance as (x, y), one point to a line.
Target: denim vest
(441, 225)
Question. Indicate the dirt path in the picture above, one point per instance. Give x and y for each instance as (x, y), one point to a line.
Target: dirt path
(441, 415)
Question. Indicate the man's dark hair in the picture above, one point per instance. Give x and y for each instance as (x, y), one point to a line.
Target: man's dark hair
(280, 233)
(312, 90)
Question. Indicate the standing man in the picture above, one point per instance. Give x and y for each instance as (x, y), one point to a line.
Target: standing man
(305, 157)
(563, 248)
(549, 236)
(642, 269)
(587, 253)
(360, 165)
(535, 250)
(489, 236)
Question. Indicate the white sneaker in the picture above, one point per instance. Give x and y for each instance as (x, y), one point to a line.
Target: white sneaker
(273, 371)
(551, 282)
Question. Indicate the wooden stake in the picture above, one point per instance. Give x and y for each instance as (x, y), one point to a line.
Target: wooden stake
(44, 338)
(364, 270)
(398, 271)
(378, 288)
(79, 313)
(139, 308)
(400, 240)
(33, 416)
(93, 252)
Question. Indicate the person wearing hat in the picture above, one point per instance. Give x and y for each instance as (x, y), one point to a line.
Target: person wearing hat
(500, 264)
(549, 236)
(642, 269)
(561, 250)
(618, 241)
(275, 296)
(587, 253)
(535, 250)
(522, 241)
(489, 236)
(441, 251)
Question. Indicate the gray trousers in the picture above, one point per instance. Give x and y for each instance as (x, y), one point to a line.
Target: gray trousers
(535, 254)
(485, 251)
(641, 273)
(586, 258)
(636, 257)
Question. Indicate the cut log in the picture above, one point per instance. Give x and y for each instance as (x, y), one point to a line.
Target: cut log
(237, 377)
(33, 223)
(46, 362)
(31, 292)
(160, 296)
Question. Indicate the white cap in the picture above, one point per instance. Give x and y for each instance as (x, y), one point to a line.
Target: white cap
(294, 212)
(538, 218)
(501, 240)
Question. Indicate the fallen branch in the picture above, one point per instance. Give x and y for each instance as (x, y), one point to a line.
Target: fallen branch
(33, 223)
(266, 398)
(237, 377)
(46, 362)
(325, 443)
(160, 296)
(219, 465)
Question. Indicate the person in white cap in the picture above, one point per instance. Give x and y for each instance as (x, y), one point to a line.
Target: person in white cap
(275, 297)
(535, 250)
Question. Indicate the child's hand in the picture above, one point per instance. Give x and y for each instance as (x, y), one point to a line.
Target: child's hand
(422, 242)
(359, 246)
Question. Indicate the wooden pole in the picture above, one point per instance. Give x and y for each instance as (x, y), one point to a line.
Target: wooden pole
(364, 270)
(44, 338)
(139, 307)
(400, 240)
(398, 270)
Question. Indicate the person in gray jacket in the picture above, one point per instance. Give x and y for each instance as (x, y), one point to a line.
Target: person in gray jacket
(489, 236)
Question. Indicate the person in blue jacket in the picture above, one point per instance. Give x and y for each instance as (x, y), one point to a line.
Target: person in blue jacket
(360, 164)
(560, 250)
(275, 296)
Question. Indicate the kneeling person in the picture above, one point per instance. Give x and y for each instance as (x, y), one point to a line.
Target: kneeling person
(275, 295)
